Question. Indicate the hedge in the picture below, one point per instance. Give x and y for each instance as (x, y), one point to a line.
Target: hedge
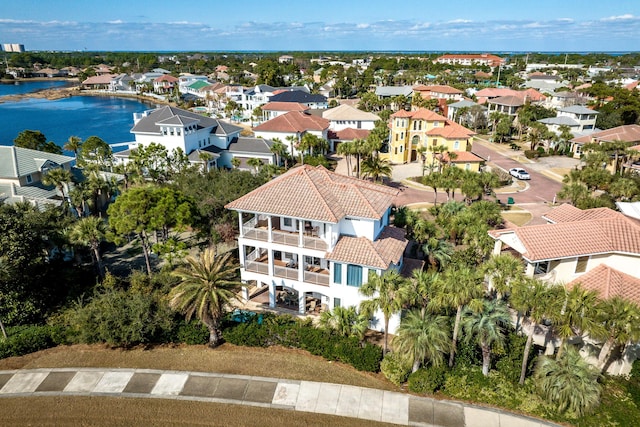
(287, 331)
(29, 339)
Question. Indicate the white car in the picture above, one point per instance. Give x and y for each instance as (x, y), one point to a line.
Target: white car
(519, 173)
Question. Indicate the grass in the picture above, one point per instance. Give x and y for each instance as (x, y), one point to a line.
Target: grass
(113, 412)
(518, 218)
(274, 362)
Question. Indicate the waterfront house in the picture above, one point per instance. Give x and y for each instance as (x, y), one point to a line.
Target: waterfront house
(21, 171)
(294, 124)
(310, 238)
(175, 128)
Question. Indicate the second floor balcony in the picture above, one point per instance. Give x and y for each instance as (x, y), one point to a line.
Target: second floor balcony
(288, 270)
(306, 236)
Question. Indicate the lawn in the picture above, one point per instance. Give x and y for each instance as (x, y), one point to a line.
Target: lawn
(101, 411)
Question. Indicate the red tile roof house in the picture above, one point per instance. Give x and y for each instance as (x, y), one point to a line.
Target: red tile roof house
(317, 235)
(295, 124)
(599, 248)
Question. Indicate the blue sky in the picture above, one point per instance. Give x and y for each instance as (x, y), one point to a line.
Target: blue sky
(408, 25)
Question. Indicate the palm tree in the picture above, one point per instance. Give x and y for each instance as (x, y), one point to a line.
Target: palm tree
(569, 382)
(536, 300)
(58, 177)
(437, 252)
(621, 320)
(346, 321)
(487, 328)
(280, 150)
(577, 316)
(433, 180)
(423, 337)
(255, 163)
(206, 287)
(461, 286)
(235, 162)
(346, 149)
(385, 294)
(293, 140)
(501, 270)
(90, 231)
(421, 288)
(374, 167)
(205, 158)
(74, 143)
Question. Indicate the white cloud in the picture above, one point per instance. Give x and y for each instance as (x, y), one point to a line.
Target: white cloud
(117, 21)
(460, 21)
(624, 17)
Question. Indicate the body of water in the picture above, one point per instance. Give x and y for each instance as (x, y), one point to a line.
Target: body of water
(20, 87)
(109, 118)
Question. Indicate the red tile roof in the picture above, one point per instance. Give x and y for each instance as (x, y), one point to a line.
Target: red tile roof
(463, 157)
(284, 106)
(437, 89)
(316, 193)
(388, 248)
(348, 134)
(569, 213)
(609, 282)
(577, 238)
(167, 78)
(294, 121)
(451, 130)
(420, 114)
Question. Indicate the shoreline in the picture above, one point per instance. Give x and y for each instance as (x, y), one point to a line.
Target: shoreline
(53, 94)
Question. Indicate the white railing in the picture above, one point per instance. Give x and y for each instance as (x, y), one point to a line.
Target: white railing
(249, 231)
(285, 238)
(314, 243)
(316, 278)
(256, 267)
(285, 272)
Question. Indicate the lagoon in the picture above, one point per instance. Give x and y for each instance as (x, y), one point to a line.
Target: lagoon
(107, 117)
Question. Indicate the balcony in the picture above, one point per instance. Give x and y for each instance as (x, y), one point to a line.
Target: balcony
(258, 230)
(312, 274)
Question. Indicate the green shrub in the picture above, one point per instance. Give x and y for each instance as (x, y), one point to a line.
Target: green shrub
(192, 333)
(290, 332)
(531, 154)
(427, 380)
(509, 360)
(395, 368)
(29, 339)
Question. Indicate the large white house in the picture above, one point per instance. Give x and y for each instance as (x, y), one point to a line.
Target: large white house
(315, 236)
(175, 128)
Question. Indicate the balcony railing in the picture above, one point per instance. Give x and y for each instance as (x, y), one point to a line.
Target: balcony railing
(316, 278)
(282, 237)
(285, 272)
(257, 267)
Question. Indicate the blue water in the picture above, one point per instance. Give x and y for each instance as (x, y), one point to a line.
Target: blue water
(17, 88)
(109, 118)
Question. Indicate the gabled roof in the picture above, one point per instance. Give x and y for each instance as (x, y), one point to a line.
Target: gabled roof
(462, 157)
(347, 112)
(559, 120)
(293, 121)
(578, 109)
(284, 106)
(387, 249)
(176, 116)
(509, 101)
(166, 78)
(451, 130)
(605, 234)
(249, 145)
(393, 90)
(99, 80)
(420, 114)
(609, 282)
(348, 134)
(465, 103)
(569, 213)
(299, 96)
(315, 193)
(17, 161)
(438, 89)
(199, 84)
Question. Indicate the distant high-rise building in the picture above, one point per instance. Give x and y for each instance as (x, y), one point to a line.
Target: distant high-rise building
(13, 47)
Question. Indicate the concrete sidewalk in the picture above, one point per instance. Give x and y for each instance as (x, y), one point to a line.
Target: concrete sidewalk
(323, 398)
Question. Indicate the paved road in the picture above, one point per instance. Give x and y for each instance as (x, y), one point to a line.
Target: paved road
(324, 398)
(542, 189)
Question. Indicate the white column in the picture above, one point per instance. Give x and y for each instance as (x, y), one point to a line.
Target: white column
(497, 247)
(240, 221)
(301, 267)
(245, 293)
(270, 261)
(272, 294)
(241, 255)
(529, 270)
(302, 302)
(269, 238)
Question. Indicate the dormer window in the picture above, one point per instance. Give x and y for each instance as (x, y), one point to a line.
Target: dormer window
(29, 179)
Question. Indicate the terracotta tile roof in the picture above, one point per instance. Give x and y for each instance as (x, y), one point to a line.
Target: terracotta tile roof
(293, 121)
(576, 238)
(628, 133)
(451, 130)
(388, 248)
(316, 193)
(463, 157)
(284, 106)
(167, 78)
(348, 134)
(609, 282)
(635, 147)
(99, 80)
(437, 89)
(510, 101)
(569, 213)
(420, 114)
